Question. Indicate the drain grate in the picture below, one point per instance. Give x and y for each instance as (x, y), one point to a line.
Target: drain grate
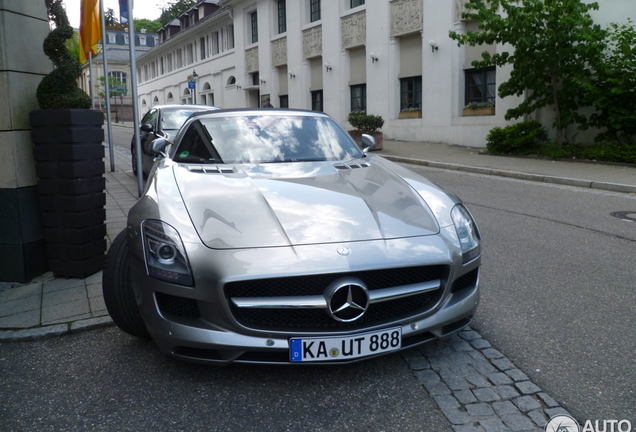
(625, 215)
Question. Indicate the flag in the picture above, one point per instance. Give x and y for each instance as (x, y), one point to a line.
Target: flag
(123, 11)
(90, 28)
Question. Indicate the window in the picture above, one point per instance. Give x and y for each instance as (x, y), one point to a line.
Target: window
(169, 62)
(254, 20)
(283, 101)
(411, 92)
(142, 40)
(230, 36)
(316, 100)
(111, 38)
(202, 47)
(314, 10)
(282, 16)
(255, 79)
(356, 3)
(215, 43)
(480, 85)
(359, 97)
(179, 58)
(189, 54)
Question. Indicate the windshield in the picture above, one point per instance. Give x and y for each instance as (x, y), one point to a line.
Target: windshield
(175, 119)
(265, 139)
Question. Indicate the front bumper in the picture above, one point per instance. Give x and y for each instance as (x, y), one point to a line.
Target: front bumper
(217, 337)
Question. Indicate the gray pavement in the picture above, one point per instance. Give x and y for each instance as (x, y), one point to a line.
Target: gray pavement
(475, 386)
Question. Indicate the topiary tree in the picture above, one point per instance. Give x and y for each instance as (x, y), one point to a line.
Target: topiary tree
(59, 88)
(365, 123)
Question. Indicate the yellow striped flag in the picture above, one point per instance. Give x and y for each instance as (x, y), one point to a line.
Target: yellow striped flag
(90, 28)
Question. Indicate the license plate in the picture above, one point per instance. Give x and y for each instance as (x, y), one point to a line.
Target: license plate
(344, 348)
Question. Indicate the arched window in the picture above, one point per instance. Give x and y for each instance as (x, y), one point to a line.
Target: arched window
(155, 100)
(231, 80)
(170, 97)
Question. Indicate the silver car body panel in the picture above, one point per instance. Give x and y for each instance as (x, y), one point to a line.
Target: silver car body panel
(258, 222)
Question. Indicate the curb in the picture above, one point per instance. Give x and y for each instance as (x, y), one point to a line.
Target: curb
(612, 187)
(55, 330)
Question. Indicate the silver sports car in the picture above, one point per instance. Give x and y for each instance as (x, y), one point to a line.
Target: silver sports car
(269, 236)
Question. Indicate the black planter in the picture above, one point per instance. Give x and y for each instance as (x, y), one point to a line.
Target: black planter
(69, 153)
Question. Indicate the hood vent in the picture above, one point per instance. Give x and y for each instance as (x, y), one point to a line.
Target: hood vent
(213, 169)
(351, 165)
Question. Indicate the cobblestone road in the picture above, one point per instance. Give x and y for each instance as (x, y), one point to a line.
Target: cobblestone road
(477, 388)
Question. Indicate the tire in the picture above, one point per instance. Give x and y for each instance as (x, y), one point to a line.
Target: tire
(119, 295)
(133, 157)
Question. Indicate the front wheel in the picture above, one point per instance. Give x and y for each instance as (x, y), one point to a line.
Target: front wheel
(133, 157)
(117, 288)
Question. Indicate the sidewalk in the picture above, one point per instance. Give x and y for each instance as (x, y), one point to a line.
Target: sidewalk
(50, 306)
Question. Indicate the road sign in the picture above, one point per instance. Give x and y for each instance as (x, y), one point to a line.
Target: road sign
(192, 84)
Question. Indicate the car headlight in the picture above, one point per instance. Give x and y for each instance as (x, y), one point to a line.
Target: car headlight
(467, 232)
(165, 254)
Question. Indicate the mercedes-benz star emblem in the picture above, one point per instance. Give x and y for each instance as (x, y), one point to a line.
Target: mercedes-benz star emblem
(347, 300)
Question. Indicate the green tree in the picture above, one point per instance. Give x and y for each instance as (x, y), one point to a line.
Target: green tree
(612, 90)
(100, 85)
(109, 18)
(175, 10)
(555, 47)
(150, 26)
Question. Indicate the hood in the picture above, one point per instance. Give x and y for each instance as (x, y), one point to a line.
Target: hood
(294, 204)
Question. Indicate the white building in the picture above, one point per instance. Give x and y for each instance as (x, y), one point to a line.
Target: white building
(337, 56)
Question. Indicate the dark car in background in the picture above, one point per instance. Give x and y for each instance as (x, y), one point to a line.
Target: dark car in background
(268, 236)
(162, 121)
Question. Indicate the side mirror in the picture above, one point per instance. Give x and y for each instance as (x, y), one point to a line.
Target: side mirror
(159, 147)
(146, 127)
(368, 142)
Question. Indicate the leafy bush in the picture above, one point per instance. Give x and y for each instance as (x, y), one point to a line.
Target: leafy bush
(365, 123)
(521, 138)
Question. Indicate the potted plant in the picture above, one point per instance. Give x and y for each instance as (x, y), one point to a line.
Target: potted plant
(364, 123)
(413, 112)
(479, 108)
(68, 149)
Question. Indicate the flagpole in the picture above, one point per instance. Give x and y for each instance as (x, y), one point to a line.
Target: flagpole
(109, 123)
(135, 96)
(90, 78)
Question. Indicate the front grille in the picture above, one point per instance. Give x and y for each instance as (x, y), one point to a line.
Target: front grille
(177, 306)
(292, 319)
(316, 284)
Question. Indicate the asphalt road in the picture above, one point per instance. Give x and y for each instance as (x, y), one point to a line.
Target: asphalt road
(558, 287)
(105, 380)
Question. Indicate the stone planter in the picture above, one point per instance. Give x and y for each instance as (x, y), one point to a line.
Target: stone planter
(410, 114)
(69, 153)
(378, 136)
(479, 111)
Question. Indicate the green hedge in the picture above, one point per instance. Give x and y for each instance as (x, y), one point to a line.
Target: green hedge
(521, 138)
